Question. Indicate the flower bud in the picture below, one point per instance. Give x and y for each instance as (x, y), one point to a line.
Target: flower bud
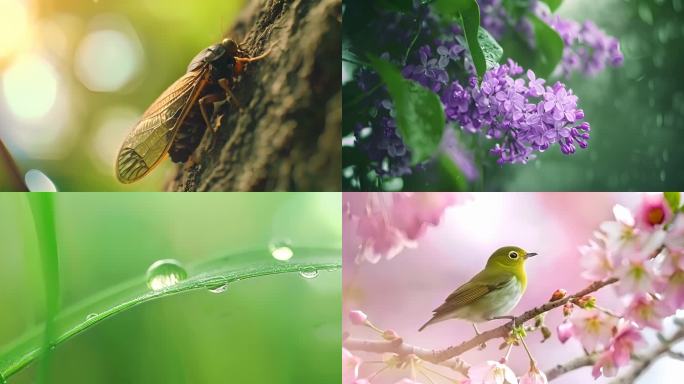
(567, 309)
(358, 317)
(558, 294)
(546, 332)
(389, 334)
(586, 302)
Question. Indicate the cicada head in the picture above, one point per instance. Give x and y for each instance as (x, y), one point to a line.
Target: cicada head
(231, 47)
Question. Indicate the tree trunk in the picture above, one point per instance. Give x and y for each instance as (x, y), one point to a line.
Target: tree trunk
(287, 136)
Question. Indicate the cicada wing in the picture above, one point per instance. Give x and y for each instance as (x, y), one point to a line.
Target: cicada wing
(150, 139)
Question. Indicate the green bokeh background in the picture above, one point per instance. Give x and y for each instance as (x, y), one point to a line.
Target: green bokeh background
(276, 329)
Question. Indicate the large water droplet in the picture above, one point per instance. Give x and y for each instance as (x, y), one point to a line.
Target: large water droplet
(91, 316)
(165, 273)
(280, 250)
(309, 273)
(219, 288)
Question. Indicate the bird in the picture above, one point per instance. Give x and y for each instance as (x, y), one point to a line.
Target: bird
(490, 294)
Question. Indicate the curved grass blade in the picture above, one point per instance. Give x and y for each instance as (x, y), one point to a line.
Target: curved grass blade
(43, 211)
(201, 276)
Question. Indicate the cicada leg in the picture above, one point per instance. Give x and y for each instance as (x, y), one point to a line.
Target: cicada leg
(207, 100)
(230, 96)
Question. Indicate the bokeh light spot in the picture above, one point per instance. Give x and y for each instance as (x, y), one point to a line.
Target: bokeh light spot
(14, 26)
(107, 60)
(30, 87)
(37, 181)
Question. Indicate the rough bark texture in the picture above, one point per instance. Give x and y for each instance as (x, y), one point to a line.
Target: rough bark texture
(287, 136)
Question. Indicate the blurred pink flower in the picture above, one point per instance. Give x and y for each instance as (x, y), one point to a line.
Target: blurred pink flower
(646, 311)
(673, 262)
(412, 213)
(407, 381)
(672, 290)
(592, 328)
(675, 235)
(635, 277)
(492, 372)
(378, 238)
(391, 222)
(565, 331)
(618, 353)
(358, 317)
(350, 367)
(596, 261)
(533, 376)
(654, 211)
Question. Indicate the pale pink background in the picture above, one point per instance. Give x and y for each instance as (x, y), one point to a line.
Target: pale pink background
(400, 293)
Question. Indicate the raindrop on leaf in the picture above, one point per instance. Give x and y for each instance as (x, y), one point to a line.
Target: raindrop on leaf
(309, 273)
(219, 288)
(165, 273)
(280, 250)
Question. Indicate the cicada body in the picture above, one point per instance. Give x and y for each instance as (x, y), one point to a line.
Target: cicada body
(175, 123)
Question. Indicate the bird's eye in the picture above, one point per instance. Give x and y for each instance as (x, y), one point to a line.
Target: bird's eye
(513, 255)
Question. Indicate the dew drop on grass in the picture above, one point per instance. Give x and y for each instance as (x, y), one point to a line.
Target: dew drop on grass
(165, 273)
(91, 316)
(219, 288)
(309, 273)
(280, 250)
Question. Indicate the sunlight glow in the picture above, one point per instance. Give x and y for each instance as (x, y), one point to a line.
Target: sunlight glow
(30, 87)
(14, 26)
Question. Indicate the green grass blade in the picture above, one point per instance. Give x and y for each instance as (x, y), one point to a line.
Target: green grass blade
(202, 276)
(43, 211)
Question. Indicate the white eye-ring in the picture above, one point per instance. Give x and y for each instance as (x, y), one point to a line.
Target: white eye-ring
(513, 255)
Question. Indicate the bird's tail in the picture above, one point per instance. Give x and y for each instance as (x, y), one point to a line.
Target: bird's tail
(433, 320)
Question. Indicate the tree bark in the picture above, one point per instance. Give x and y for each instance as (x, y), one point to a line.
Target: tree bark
(287, 134)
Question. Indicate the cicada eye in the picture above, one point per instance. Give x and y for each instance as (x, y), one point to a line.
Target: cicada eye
(513, 255)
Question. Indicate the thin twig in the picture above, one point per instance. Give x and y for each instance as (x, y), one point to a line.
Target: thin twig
(577, 363)
(437, 356)
(7, 162)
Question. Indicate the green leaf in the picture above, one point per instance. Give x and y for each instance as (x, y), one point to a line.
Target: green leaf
(549, 48)
(419, 112)
(553, 4)
(673, 200)
(490, 48)
(202, 276)
(484, 50)
(42, 209)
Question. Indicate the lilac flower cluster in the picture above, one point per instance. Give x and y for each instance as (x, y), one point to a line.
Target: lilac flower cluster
(587, 47)
(521, 115)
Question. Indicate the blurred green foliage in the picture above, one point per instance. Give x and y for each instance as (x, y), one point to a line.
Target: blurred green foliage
(286, 323)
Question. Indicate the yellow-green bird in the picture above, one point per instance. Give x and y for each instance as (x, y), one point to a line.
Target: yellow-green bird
(490, 294)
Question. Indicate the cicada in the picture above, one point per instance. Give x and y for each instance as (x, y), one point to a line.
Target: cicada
(172, 123)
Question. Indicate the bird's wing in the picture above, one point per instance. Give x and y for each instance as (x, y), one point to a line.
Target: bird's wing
(473, 290)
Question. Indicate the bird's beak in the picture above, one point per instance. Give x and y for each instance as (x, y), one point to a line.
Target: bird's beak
(530, 254)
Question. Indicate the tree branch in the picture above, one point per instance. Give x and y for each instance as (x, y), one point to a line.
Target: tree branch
(645, 361)
(577, 363)
(437, 356)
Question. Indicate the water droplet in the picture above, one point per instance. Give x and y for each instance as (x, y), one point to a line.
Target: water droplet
(91, 316)
(309, 273)
(645, 13)
(165, 273)
(219, 288)
(662, 175)
(280, 250)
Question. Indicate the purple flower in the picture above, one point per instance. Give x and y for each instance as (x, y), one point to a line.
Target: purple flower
(430, 73)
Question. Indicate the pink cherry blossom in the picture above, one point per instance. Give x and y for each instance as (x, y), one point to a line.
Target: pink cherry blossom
(596, 261)
(618, 353)
(617, 234)
(350, 367)
(635, 277)
(358, 317)
(593, 328)
(645, 311)
(672, 290)
(674, 240)
(378, 238)
(407, 381)
(492, 372)
(672, 262)
(533, 376)
(654, 211)
(565, 331)
(412, 213)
